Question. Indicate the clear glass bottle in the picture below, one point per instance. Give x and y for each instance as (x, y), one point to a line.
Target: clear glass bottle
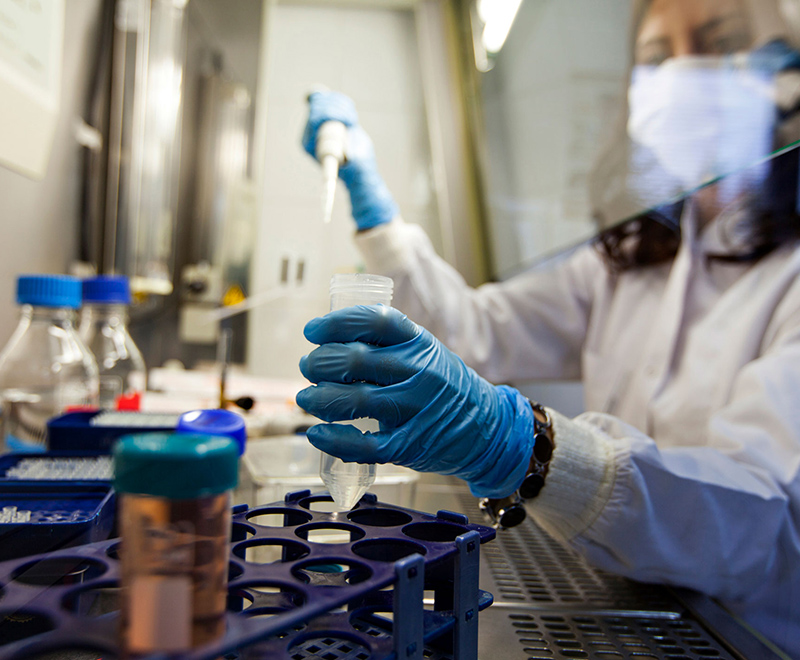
(45, 368)
(347, 482)
(175, 522)
(104, 329)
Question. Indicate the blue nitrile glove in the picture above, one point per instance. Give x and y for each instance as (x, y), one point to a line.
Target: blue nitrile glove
(435, 413)
(371, 200)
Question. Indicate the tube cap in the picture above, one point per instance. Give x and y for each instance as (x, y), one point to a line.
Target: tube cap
(215, 422)
(111, 289)
(178, 466)
(49, 291)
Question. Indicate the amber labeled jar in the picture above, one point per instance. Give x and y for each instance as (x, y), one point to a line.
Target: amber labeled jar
(175, 519)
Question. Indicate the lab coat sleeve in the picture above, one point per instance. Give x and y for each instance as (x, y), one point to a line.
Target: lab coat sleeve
(531, 326)
(722, 518)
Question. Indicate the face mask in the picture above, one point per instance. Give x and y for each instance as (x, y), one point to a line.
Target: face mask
(702, 118)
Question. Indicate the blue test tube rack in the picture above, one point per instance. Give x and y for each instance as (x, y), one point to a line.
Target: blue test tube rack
(358, 599)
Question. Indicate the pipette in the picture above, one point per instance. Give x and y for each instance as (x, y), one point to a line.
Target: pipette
(331, 140)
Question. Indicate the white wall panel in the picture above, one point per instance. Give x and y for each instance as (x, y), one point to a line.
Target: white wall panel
(39, 219)
(371, 55)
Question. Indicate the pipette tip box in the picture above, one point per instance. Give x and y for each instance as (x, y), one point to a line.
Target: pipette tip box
(96, 431)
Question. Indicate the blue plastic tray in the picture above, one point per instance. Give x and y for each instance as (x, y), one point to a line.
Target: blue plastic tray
(62, 515)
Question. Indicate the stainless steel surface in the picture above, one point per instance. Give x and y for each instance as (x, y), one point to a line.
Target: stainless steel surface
(550, 604)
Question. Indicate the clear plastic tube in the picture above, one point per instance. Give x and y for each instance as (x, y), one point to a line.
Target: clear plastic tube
(347, 482)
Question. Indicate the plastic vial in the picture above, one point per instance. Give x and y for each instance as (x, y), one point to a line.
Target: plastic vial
(175, 522)
(45, 368)
(104, 329)
(347, 482)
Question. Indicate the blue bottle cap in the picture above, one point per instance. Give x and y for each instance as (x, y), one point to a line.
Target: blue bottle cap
(178, 466)
(214, 422)
(49, 291)
(110, 289)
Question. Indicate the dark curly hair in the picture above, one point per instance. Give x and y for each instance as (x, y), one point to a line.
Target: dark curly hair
(654, 237)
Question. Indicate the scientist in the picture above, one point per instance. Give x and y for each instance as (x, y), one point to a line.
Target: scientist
(686, 469)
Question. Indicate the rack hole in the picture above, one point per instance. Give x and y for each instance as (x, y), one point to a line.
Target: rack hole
(387, 549)
(270, 551)
(379, 517)
(277, 517)
(58, 571)
(264, 599)
(94, 601)
(332, 573)
(436, 532)
(21, 624)
(320, 504)
(330, 533)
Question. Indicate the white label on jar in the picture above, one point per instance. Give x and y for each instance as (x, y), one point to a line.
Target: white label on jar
(160, 613)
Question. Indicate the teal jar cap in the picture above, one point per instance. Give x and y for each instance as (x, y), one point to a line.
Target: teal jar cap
(178, 466)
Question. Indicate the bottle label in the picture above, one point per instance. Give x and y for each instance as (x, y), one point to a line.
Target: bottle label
(160, 595)
(160, 613)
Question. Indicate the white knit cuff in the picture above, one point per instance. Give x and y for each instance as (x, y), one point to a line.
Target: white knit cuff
(387, 247)
(579, 480)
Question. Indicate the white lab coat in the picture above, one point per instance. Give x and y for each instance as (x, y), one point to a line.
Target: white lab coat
(687, 469)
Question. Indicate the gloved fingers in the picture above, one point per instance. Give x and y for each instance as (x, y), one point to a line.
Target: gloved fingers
(373, 324)
(356, 362)
(327, 106)
(346, 442)
(336, 402)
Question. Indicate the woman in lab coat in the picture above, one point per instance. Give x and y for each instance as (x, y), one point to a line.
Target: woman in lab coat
(686, 469)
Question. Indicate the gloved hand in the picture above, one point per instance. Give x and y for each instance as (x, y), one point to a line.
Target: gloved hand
(371, 200)
(435, 413)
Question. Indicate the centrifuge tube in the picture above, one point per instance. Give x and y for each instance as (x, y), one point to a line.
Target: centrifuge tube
(347, 482)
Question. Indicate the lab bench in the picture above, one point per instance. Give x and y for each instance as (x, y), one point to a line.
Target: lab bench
(549, 604)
